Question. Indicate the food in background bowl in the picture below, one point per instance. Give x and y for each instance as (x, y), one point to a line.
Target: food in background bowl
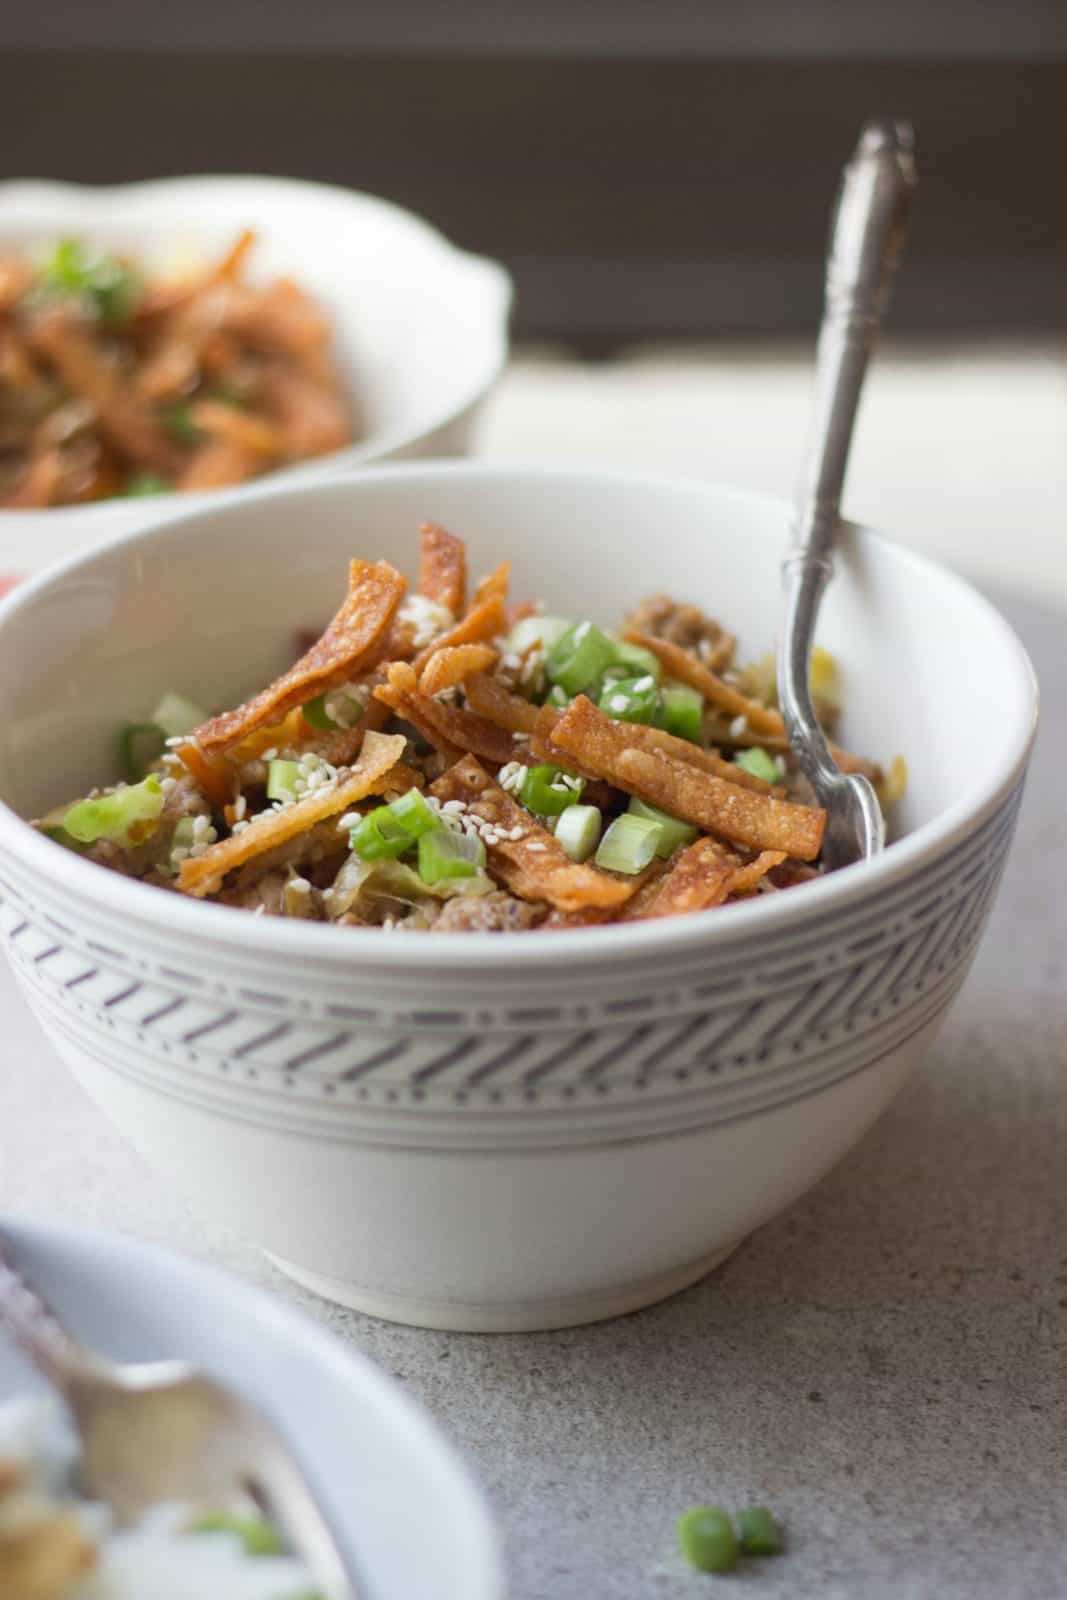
(116, 383)
(535, 770)
(55, 1545)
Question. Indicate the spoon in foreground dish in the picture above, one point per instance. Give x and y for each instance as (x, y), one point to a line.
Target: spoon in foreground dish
(161, 1431)
(866, 241)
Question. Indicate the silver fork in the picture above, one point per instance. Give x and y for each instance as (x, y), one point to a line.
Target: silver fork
(866, 241)
(161, 1431)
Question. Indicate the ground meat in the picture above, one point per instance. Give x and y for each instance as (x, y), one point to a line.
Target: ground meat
(498, 912)
(683, 625)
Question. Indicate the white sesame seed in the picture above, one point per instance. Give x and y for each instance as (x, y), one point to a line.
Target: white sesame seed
(739, 727)
(239, 826)
(168, 785)
(521, 738)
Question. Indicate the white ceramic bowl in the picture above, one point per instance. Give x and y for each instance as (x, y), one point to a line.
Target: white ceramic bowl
(420, 327)
(376, 1461)
(500, 1132)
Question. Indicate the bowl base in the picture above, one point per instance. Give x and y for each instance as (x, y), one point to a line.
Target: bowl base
(516, 1316)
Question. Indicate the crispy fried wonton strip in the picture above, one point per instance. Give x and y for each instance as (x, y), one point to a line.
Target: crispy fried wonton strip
(492, 700)
(350, 645)
(218, 464)
(760, 821)
(120, 414)
(443, 568)
(39, 482)
(647, 890)
(380, 755)
(680, 664)
(222, 421)
(453, 665)
(699, 877)
(494, 586)
(535, 866)
(483, 621)
(448, 728)
(747, 877)
(214, 778)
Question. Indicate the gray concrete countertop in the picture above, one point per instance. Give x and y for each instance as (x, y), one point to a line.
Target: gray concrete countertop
(885, 1365)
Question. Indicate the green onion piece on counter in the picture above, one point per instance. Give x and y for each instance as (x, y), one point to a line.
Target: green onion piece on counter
(414, 814)
(631, 699)
(537, 630)
(759, 763)
(558, 696)
(178, 423)
(758, 1532)
(175, 715)
(141, 484)
(707, 1539)
(316, 715)
(140, 744)
(446, 853)
(259, 1537)
(126, 816)
(673, 831)
(579, 657)
(629, 844)
(282, 779)
(380, 835)
(681, 711)
(548, 791)
(578, 831)
(638, 661)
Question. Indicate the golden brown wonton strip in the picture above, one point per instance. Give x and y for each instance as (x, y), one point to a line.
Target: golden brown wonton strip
(351, 645)
(379, 757)
(492, 700)
(449, 729)
(687, 669)
(484, 621)
(454, 665)
(494, 586)
(762, 822)
(443, 568)
(120, 414)
(746, 878)
(219, 464)
(344, 747)
(699, 877)
(534, 866)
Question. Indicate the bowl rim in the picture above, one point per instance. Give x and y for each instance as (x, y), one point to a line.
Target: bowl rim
(130, 901)
(117, 1255)
(499, 296)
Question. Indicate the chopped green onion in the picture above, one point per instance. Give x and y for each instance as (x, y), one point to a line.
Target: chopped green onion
(531, 631)
(316, 715)
(140, 744)
(629, 844)
(672, 829)
(638, 661)
(258, 1536)
(579, 657)
(140, 484)
(759, 763)
(65, 268)
(445, 853)
(578, 831)
(175, 715)
(558, 696)
(126, 816)
(414, 815)
(380, 835)
(548, 791)
(178, 423)
(758, 1532)
(104, 280)
(631, 699)
(707, 1539)
(282, 779)
(681, 711)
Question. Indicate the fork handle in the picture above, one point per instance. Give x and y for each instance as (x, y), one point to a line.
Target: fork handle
(37, 1330)
(866, 240)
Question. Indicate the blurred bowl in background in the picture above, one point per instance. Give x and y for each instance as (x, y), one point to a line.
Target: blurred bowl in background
(420, 327)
